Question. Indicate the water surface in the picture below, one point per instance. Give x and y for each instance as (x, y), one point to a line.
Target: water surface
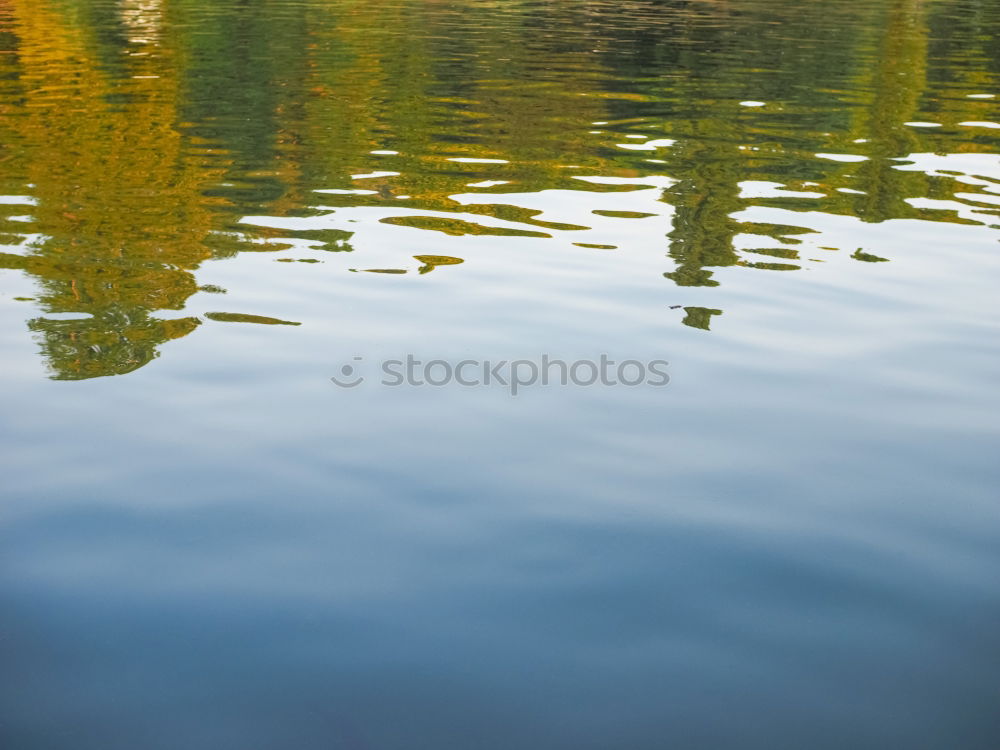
(209, 208)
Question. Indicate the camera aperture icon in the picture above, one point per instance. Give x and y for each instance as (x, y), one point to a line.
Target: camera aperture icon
(348, 378)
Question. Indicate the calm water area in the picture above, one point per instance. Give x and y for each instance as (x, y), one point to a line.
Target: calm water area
(222, 527)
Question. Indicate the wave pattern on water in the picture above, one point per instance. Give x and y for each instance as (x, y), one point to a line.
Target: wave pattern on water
(145, 138)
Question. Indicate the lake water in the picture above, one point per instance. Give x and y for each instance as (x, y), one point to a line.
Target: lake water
(211, 208)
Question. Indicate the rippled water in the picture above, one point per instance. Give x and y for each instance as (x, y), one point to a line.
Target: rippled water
(206, 543)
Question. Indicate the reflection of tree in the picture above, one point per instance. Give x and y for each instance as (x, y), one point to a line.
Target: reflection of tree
(709, 163)
(112, 344)
(146, 129)
(119, 221)
(699, 317)
(704, 198)
(897, 85)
